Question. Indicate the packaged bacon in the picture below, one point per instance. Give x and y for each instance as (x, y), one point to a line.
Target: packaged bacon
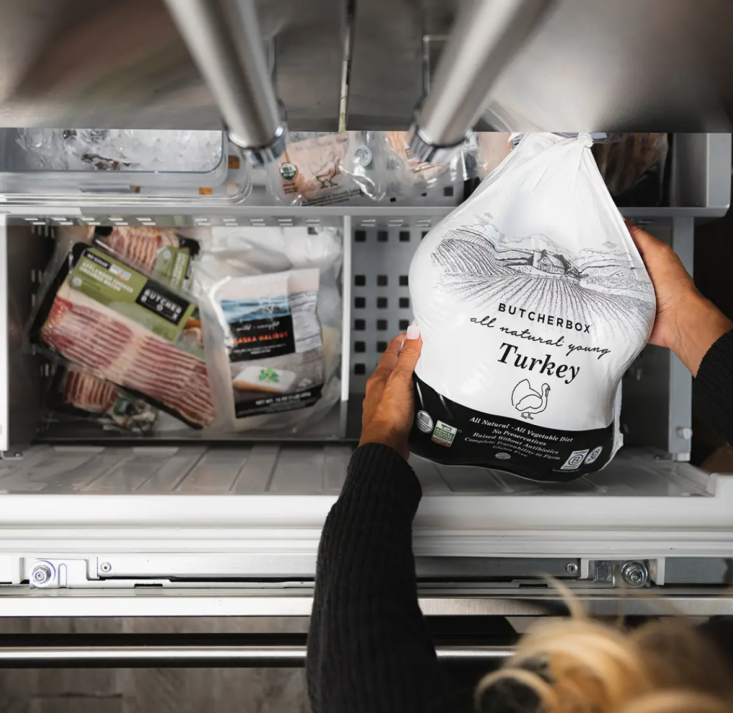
(160, 252)
(77, 393)
(102, 314)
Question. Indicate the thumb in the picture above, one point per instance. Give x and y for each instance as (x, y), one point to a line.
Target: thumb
(410, 352)
(646, 244)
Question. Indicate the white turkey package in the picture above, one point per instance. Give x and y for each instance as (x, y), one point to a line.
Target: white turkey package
(532, 301)
(272, 319)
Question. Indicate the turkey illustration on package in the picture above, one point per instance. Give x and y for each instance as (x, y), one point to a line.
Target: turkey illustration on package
(532, 301)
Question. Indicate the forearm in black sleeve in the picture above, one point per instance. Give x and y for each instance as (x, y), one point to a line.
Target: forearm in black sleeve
(713, 388)
(368, 648)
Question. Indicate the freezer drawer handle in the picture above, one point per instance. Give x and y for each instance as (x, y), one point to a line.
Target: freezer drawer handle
(181, 650)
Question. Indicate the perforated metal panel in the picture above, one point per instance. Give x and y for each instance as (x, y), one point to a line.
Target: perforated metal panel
(380, 300)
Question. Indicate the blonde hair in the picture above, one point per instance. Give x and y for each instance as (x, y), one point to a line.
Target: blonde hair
(579, 665)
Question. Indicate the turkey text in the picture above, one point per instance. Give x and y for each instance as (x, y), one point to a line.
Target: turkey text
(543, 366)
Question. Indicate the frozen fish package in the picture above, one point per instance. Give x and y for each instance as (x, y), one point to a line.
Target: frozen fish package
(273, 342)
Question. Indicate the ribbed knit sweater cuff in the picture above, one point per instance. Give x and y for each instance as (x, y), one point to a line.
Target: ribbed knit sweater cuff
(714, 385)
(380, 469)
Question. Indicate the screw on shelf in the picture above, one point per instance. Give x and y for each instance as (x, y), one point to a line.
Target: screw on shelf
(571, 568)
(105, 567)
(635, 574)
(42, 574)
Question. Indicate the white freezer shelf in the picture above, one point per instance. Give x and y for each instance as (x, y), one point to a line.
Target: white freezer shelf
(273, 499)
(294, 469)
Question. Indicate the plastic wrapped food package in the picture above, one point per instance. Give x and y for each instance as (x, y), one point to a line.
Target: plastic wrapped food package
(271, 312)
(479, 155)
(532, 301)
(102, 315)
(161, 252)
(485, 151)
(309, 171)
(368, 162)
(119, 150)
(76, 393)
(410, 174)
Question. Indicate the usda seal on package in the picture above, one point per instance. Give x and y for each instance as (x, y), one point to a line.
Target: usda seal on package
(532, 301)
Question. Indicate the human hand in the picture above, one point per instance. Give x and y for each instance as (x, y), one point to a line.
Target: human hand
(389, 403)
(686, 322)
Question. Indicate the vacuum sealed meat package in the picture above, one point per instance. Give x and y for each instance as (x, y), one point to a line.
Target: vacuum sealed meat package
(166, 255)
(76, 393)
(272, 324)
(102, 315)
(161, 252)
(272, 343)
(532, 301)
(309, 171)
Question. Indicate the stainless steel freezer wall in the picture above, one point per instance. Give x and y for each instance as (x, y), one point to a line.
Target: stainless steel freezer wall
(628, 65)
(593, 65)
(142, 75)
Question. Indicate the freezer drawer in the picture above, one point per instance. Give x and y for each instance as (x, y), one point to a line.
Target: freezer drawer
(231, 526)
(375, 294)
(179, 516)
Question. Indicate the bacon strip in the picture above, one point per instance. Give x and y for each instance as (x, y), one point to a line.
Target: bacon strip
(88, 392)
(118, 350)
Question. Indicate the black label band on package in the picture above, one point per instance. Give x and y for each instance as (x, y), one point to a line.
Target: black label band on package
(275, 403)
(446, 432)
(262, 338)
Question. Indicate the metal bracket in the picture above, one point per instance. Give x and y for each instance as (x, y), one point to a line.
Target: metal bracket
(620, 573)
(56, 574)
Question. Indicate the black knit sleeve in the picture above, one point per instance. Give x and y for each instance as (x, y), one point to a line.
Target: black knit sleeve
(713, 388)
(368, 648)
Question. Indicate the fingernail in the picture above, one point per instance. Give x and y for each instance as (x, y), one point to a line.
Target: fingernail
(413, 332)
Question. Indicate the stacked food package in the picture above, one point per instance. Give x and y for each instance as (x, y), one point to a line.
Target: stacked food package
(121, 316)
(327, 169)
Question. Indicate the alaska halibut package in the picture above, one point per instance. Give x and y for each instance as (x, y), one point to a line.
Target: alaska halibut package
(532, 301)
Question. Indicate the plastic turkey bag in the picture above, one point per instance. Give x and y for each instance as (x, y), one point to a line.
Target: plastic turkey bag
(532, 301)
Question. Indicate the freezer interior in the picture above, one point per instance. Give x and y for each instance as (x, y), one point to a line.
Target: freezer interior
(85, 507)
